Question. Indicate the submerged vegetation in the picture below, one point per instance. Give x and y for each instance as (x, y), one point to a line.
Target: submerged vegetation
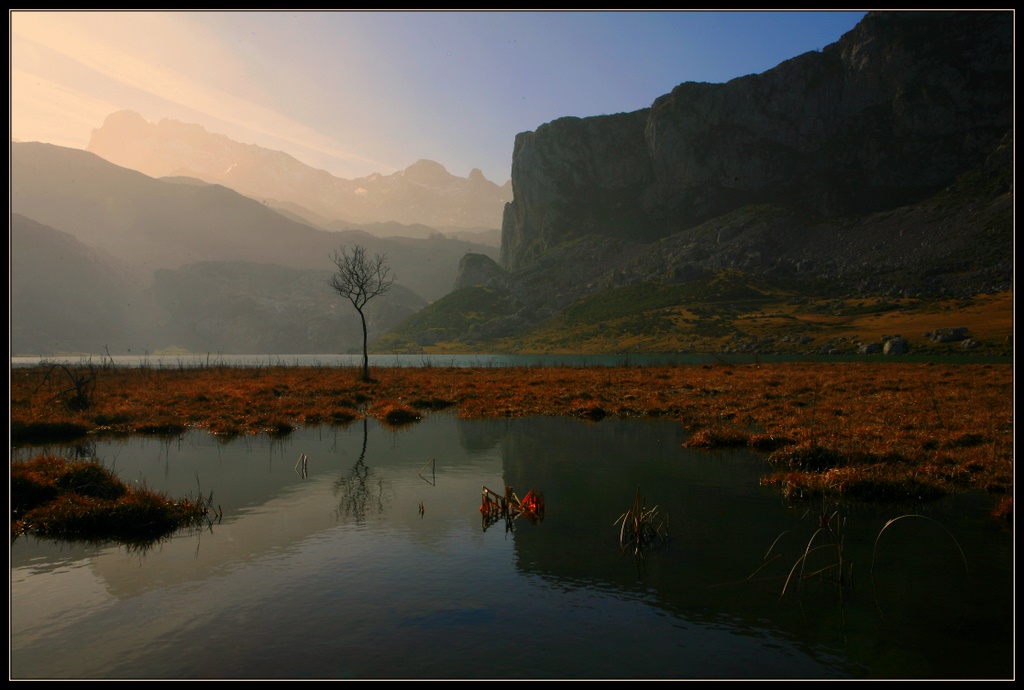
(858, 431)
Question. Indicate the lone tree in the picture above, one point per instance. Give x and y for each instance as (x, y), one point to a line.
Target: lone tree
(359, 279)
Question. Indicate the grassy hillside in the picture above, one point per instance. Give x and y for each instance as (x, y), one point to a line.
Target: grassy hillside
(728, 313)
(431, 329)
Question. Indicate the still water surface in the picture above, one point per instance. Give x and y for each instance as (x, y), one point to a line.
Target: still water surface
(337, 574)
(476, 360)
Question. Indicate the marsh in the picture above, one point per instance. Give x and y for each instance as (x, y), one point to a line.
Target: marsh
(373, 561)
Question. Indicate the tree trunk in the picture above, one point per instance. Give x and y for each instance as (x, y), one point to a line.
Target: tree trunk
(366, 357)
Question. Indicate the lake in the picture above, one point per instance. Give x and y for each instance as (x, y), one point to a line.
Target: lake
(479, 360)
(335, 572)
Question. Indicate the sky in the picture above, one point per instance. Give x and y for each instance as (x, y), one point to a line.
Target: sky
(357, 93)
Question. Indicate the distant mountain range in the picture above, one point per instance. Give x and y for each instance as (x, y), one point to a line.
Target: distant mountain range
(108, 259)
(424, 193)
(846, 196)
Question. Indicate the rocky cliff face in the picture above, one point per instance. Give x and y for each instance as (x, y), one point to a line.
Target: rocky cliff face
(888, 115)
(476, 269)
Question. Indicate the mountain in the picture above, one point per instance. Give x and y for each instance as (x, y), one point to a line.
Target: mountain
(486, 236)
(69, 298)
(150, 223)
(104, 258)
(875, 175)
(153, 224)
(839, 200)
(243, 308)
(887, 116)
(424, 193)
(66, 296)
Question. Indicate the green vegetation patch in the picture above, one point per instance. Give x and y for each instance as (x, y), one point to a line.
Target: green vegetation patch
(453, 314)
(621, 302)
(629, 300)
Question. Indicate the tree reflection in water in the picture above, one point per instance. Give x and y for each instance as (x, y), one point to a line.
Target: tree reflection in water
(361, 492)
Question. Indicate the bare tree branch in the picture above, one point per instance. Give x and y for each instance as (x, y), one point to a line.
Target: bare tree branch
(359, 279)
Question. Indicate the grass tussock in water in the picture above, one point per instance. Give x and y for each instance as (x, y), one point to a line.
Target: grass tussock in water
(395, 414)
(55, 498)
(868, 429)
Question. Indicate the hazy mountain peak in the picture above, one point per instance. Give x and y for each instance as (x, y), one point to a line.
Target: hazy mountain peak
(424, 193)
(124, 120)
(426, 167)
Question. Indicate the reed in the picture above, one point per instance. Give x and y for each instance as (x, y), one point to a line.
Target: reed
(827, 540)
(914, 516)
(823, 557)
(641, 527)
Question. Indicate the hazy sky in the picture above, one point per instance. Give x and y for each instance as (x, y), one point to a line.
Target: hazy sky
(362, 92)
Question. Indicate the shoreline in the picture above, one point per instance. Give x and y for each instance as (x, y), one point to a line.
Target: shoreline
(853, 429)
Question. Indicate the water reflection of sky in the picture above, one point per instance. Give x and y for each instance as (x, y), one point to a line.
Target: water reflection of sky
(296, 583)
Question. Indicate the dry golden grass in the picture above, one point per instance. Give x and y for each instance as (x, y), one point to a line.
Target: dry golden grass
(863, 430)
(57, 498)
(990, 319)
(819, 323)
